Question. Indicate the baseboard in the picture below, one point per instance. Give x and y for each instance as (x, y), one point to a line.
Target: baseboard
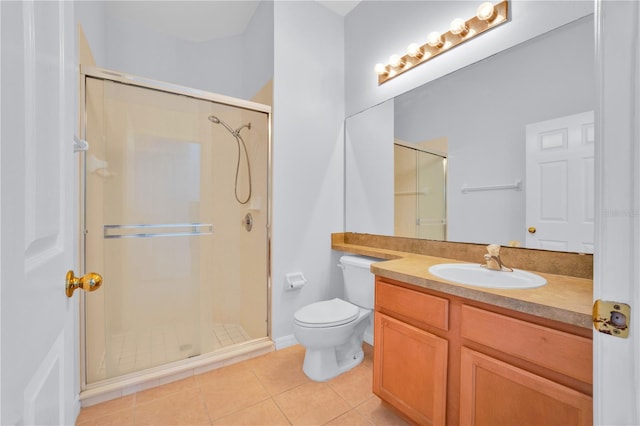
(290, 340)
(368, 337)
(285, 341)
(76, 407)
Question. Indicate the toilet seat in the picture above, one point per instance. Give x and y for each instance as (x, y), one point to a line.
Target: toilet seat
(328, 313)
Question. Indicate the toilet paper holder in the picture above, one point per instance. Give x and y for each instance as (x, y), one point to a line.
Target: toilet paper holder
(295, 280)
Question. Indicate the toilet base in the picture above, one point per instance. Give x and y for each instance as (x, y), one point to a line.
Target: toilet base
(321, 365)
(332, 351)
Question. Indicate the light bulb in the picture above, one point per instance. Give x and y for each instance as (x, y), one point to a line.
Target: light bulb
(414, 50)
(458, 27)
(380, 69)
(434, 39)
(486, 12)
(396, 61)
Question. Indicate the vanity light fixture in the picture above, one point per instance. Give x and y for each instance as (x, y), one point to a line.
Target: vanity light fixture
(488, 15)
(414, 50)
(434, 39)
(459, 27)
(486, 12)
(396, 61)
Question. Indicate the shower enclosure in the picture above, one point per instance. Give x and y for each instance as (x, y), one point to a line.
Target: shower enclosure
(420, 193)
(175, 216)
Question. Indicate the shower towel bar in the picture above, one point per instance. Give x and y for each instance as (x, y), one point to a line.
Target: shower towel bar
(170, 230)
(517, 185)
(428, 221)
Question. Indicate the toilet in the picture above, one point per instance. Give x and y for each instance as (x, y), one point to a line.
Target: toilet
(332, 331)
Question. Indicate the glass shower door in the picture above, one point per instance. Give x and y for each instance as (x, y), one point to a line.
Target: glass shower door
(155, 198)
(420, 194)
(431, 199)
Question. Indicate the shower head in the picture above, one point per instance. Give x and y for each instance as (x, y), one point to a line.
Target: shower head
(236, 132)
(216, 120)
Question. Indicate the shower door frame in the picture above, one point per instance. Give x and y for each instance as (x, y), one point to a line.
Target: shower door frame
(170, 88)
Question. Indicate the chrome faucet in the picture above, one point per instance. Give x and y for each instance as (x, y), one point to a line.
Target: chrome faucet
(493, 261)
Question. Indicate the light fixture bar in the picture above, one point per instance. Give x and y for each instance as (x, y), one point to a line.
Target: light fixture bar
(488, 16)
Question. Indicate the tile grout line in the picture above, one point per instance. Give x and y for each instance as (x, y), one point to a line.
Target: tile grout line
(271, 397)
(281, 410)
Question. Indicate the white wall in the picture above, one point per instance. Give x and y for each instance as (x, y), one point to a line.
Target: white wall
(235, 66)
(369, 181)
(91, 15)
(374, 30)
(307, 156)
(258, 50)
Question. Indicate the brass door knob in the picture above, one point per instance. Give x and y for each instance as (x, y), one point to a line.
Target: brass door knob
(532, 229)
(88, 282)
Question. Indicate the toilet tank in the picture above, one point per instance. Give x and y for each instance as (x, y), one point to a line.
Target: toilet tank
(358, 280)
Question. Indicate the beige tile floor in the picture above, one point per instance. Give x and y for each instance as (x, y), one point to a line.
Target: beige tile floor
(268, 390)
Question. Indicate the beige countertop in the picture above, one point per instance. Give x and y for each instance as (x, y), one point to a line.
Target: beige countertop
(564, 298)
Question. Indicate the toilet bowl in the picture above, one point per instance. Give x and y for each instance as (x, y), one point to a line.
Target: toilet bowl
(332, 331)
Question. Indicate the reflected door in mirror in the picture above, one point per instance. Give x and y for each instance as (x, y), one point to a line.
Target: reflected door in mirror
(560, 183)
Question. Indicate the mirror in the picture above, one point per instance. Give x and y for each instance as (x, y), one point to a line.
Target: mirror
(482, 112)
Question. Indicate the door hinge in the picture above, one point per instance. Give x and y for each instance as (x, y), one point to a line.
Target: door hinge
(79, 144)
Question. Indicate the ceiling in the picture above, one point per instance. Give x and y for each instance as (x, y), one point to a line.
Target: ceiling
(198, 21)
(341, 7)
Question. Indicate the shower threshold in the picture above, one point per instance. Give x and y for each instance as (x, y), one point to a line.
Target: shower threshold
(116, 387)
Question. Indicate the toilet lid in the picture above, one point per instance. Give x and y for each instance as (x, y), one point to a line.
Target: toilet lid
(328, 313)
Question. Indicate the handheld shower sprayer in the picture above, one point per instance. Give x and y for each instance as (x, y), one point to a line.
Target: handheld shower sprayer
(236, 134)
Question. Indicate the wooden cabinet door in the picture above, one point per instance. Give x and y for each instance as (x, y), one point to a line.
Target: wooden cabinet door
(410, 370)
(496, 393)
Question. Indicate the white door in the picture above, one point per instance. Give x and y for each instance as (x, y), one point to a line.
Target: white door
(39, 360)
(616, 275)
(560, 184)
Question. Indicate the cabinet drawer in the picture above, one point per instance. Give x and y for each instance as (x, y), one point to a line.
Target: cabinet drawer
(556, 350)
(413, 305)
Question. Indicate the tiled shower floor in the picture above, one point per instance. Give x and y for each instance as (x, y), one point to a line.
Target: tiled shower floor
(228, 334)
(135, 351)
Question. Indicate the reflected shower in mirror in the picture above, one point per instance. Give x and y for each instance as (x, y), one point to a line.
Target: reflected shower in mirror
(419, 191)
(482, 111)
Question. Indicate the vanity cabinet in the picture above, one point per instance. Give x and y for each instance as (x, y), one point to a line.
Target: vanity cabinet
(410, 363)
(443, 359)
(412, 370)
(493, 392)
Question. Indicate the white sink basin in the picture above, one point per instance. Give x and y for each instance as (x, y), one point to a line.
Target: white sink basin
(473, 274)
